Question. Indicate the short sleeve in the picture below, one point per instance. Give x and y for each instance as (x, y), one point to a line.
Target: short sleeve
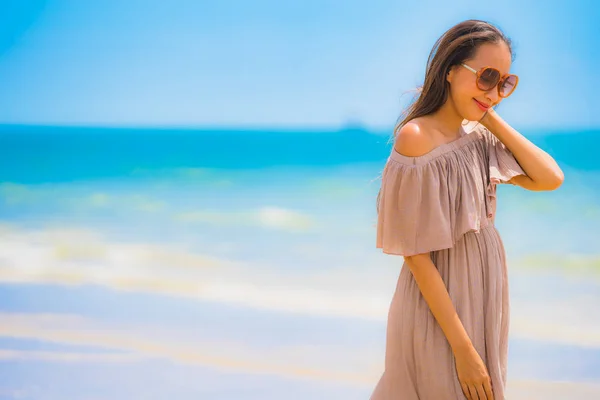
(502, 163)
(423, 208)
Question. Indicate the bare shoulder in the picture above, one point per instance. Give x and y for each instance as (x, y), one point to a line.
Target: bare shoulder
(412, 140)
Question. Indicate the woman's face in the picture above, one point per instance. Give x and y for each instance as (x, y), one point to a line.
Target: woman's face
(463, 87)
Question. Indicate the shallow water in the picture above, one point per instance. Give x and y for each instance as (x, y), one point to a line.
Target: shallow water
(241, 264)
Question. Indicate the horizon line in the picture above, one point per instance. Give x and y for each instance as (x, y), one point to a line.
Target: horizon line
(353, 127)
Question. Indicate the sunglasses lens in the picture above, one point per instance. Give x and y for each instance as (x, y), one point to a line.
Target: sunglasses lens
(488, 79)
(508, 85)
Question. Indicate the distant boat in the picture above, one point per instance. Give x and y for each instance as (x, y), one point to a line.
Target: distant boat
(354, 125)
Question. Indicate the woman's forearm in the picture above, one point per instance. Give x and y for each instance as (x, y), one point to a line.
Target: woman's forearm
(436, 295)
(540, 167)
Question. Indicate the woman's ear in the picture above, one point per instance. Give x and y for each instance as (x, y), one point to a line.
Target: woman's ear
(449, 74)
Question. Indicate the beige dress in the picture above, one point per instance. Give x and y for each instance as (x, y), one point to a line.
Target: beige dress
(444, 202)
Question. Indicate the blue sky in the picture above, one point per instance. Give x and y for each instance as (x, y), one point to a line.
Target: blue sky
(273, 63)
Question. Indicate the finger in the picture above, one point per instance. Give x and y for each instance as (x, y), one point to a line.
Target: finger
(465, 390)
(481, 392)
(473, 392)
(487, 385)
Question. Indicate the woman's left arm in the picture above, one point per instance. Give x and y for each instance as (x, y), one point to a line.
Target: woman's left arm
(543, 173)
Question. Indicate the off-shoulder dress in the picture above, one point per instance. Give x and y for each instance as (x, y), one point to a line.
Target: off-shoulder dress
(444, 202)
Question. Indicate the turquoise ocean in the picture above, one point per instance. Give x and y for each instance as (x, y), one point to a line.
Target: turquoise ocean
(159, 263)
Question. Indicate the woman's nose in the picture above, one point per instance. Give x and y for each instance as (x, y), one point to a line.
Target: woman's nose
(493, 95)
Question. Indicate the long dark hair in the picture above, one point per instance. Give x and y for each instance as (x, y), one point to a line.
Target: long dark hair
(456, 45)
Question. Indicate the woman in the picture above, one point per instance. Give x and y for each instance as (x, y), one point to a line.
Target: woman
(447, 332)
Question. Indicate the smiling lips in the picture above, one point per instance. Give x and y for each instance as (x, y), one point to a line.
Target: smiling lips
(482, 106)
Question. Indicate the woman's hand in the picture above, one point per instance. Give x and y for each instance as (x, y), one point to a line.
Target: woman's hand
(473, 375)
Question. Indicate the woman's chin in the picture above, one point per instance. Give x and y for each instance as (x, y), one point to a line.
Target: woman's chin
(474, 115)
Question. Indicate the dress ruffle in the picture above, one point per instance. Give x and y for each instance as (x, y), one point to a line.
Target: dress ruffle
(503, 166)
(428, 203)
